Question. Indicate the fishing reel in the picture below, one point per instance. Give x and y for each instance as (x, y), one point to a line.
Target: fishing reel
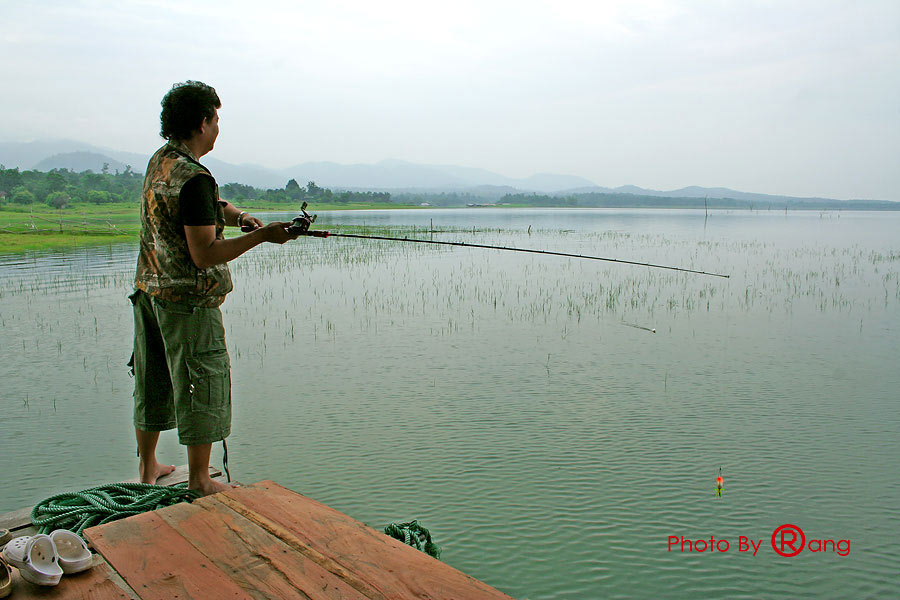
(300, 224)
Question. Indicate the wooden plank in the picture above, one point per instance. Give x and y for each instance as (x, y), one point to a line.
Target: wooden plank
(19, 521)
(100, 582)
(158, 563)
(304, 548)
(366, 559)
(24, 530)
(16, 519)
(260, 563)
(116, 578)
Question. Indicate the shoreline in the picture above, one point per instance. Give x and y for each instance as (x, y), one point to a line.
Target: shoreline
(24, 229)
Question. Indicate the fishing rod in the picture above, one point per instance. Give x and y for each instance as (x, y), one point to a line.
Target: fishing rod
(300, 226)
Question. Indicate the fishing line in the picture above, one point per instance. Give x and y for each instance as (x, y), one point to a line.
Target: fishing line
(300, 225)
(548, 252)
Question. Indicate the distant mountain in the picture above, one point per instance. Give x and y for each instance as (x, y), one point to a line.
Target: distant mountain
(388, 175)
(719, 192)
(80, 161)
(381, 175)
(67, 154)
(546, 182)
(691, 192)
(254, 175)
(25, 155)
(395, 174)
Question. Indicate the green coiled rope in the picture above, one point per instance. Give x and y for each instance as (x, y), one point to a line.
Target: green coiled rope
(413, 534)
(76, 511)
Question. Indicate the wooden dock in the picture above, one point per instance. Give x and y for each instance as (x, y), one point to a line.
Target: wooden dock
(261, 541)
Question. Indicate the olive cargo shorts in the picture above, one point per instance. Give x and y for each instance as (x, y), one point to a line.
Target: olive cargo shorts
(182, 374)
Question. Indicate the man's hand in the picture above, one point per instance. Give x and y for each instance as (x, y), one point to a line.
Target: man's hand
(250, 224)
(276, 232)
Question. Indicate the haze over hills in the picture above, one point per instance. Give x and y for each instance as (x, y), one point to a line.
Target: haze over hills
(80, 161)
(386, 174)
(389, 175)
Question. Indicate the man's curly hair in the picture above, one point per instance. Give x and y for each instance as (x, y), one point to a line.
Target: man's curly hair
(185, 107)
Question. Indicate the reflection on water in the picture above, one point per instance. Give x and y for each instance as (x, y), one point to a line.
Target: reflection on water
(67, 271)
(508, 400)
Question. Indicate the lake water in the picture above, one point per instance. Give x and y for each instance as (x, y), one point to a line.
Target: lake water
(519, 405)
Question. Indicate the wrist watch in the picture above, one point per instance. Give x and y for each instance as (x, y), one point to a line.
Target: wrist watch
(240, 219)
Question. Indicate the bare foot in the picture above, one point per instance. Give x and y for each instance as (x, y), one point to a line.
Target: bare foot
(150, 473)
(210, 487)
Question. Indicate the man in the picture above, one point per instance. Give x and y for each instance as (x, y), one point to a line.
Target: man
(181, 364)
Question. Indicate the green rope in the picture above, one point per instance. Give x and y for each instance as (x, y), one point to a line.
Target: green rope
(413, 534)
(76, 511)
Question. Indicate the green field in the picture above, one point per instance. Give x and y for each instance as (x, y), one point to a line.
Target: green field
(40, 227)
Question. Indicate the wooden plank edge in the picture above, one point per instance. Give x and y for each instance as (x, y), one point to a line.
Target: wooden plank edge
(399, 557)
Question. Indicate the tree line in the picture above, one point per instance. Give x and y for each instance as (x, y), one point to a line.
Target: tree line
(293, 193)
(59, 188)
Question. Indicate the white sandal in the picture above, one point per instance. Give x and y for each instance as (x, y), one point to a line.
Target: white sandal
(74, 556)
(5, 578)
(14, 551)
(36, 558)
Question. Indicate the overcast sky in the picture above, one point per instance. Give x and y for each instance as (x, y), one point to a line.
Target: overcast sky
(784, 97)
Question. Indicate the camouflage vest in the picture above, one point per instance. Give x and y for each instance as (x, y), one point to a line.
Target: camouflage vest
(164, 266)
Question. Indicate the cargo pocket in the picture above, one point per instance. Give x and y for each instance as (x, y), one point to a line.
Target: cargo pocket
(210, 381)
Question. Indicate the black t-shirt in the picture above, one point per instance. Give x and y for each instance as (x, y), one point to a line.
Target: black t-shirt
(198, 201)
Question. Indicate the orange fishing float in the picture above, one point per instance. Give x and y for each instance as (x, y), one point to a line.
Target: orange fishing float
(720, 483)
